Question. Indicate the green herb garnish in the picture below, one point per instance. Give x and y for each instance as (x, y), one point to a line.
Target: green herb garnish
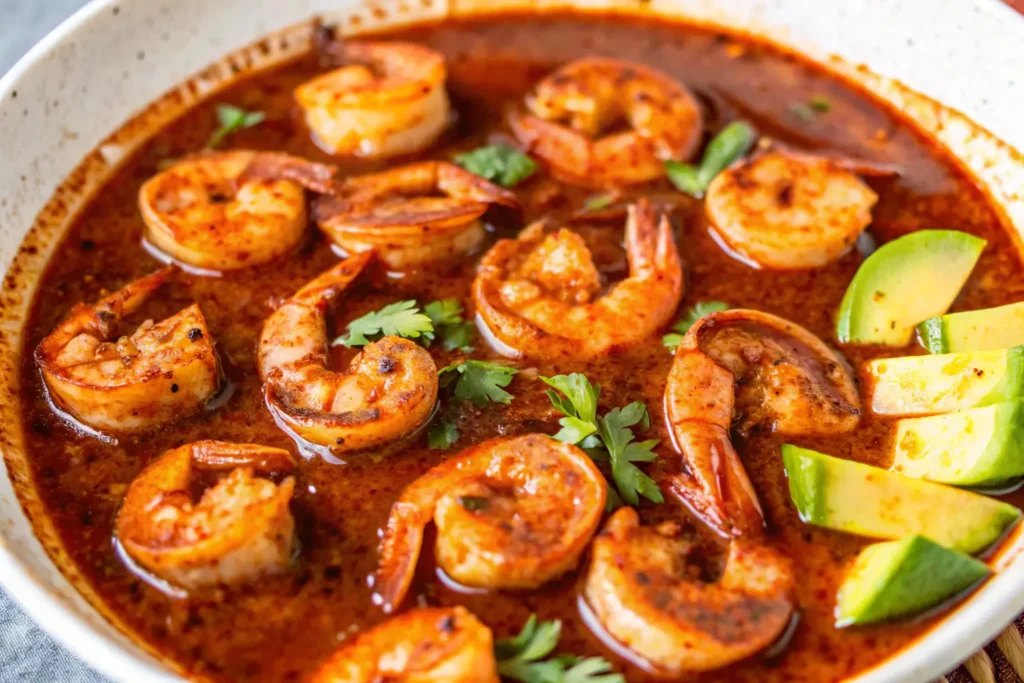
(403, 319)
(478, 381)
(729, 145)
(692, 315)
(598, 202)
(607, 438)
(473, 503)
(231, 119)
(498, 163)
(819, 104)
(446, 316)
(526, 658)
(442, 435)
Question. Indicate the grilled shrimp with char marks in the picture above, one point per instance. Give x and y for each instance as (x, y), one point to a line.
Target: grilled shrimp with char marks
(162, 372)
(749, 369)
(541, 296)
(387, 392)
(790, 211)
(638, 586)
(240, 528)
(228, 210)
(442, 645)
(569, 109)
(395, 213)
(388, 99)
(510, 513)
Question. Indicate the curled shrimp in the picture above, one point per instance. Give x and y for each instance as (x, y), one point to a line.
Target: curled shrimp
(640, 591)
(388, 391)
(389, 99)
(541, 296)
(789, 211)
(790, 382)
(239, 529)
(228, 210)
(395, 213)
(160, 373)
(571, 107)
(446, 645)
(510, 513)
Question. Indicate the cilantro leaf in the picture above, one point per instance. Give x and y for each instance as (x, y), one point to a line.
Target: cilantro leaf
(498, 163)
(692, 315)
(442, 435)
(608, 438)
(232, 118)
(402, 319)
(598, 201)
(819, 103)
(522, 658)
(478, 381)
(731, 143)
(455, 332)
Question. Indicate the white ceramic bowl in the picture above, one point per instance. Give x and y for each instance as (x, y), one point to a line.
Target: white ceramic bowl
(65, 102)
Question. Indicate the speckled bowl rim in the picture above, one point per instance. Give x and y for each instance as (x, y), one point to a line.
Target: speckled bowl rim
(61, 609)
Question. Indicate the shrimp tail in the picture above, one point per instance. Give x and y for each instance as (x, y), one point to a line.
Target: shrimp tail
(400, 550)
(650, 245)
(279, 166)
(326, 287)
(218, 456)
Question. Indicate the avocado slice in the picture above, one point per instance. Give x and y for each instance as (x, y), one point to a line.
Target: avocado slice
(908, 280)
(989, 328)
(868, 501)
(976, 447)
(926, 385)
(902, 578)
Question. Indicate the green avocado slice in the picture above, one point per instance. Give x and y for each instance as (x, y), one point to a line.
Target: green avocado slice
(868, 501)
(902, 578)
(989, 328)
(908, 280)
(977, 447)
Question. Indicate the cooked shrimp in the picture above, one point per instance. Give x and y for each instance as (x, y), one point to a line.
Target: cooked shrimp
(574, 105)
(228, 210)
(162, 372)
(789, 382)
(789, 211)
(638, 587)
(394, 213)
(542, 297)
(510, 513)
(388, 391)
(446, 645)
(389, 99)
(239, 529)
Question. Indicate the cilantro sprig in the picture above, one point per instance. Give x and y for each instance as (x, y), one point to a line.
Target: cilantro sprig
(402, 319)
(442, 435)
(498, 163)
(231, 119)
(526, 658)
(692, 315)
(478, 381)
(729, 145)
(607, 438)
(446, 317)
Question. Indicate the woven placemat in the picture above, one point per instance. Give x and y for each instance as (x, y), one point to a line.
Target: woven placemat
(1002, 661)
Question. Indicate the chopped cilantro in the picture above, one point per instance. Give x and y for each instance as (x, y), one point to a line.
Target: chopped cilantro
(478, 381)
(442, 435)
(526, 658)
(402, 319)
(692, 315)
(446, 316)
(231, 119)
(598, 202)
(473, 503)
(729, 145)
(820, 103)
(498, 163)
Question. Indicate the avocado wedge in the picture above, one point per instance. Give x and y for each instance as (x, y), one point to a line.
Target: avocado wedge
(868, 501)
(910, 279)
(977, 447)
(926, 385)
(902, 578)
(990, 328)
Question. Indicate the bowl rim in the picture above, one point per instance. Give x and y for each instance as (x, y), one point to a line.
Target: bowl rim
(976, 621)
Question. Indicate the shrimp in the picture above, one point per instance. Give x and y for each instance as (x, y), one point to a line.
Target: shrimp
(510, 513)
(638, 587)
(388, 391)
(790, 382)
(789, 211)
(390, 99)
(228, 210)
(591, 95)
(162, 372)
(239, 529)
(541, 297)
(447, 645)
(394, 213)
